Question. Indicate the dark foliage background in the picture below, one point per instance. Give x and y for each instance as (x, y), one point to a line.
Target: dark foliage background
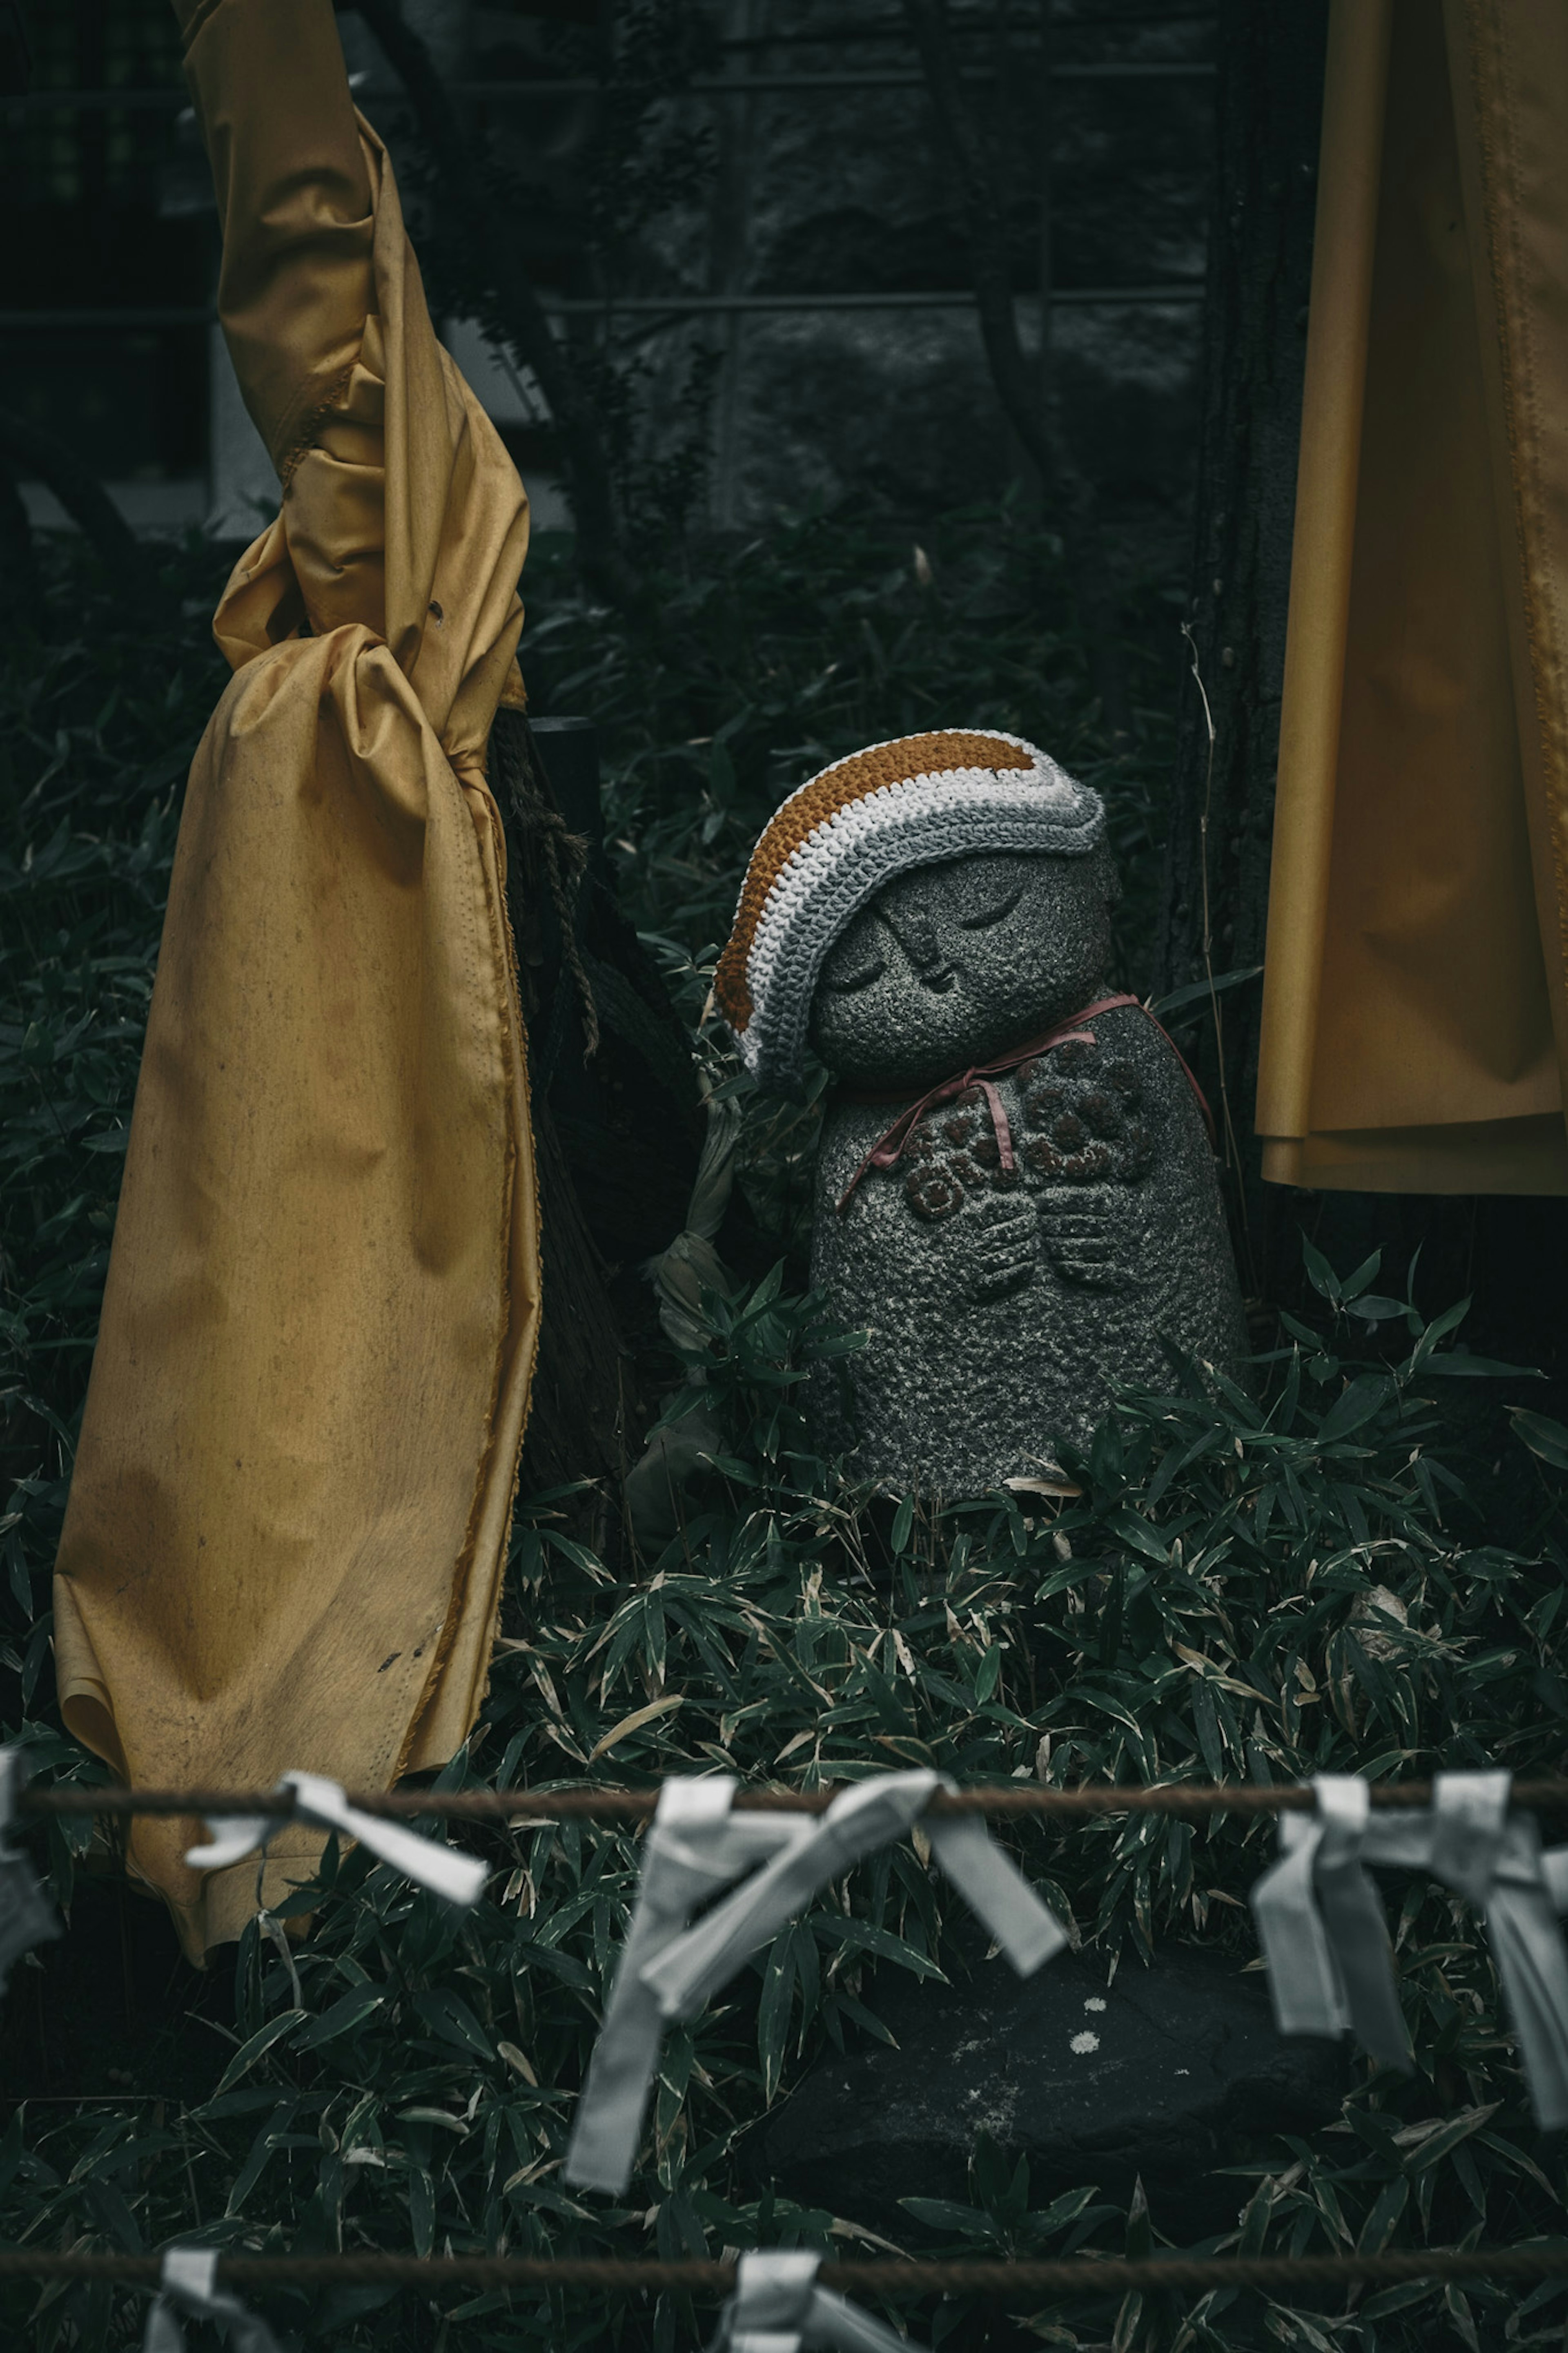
(1356, 1562)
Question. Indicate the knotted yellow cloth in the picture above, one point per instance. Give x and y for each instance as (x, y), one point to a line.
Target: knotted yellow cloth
(286, 1531)
(1415, 1004)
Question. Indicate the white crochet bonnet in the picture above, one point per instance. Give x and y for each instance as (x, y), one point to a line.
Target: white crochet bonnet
(832, 845)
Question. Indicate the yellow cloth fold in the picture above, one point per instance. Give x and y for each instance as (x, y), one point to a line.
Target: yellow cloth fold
(286, 1530)
(1415, 992)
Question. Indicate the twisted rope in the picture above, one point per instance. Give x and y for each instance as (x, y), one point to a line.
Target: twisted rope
(913, 2277)
(1187, 1800)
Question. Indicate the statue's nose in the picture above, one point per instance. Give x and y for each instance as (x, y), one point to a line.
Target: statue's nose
(921, 943)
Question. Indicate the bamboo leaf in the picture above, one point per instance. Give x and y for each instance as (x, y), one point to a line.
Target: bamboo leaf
(259, 2045)
(1544, 1437)
(633, 1722)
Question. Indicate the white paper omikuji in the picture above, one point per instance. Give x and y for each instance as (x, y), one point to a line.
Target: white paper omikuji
(1324, 1934)
(692, 1969)
(777, 2307)
(697, 1847)
(429, 1863)
(1328, 1961)
(187, 2283)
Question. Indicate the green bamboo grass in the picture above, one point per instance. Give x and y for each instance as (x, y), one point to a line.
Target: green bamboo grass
(1257, 1582)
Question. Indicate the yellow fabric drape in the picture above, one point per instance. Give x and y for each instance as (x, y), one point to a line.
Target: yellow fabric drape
(1416, 992)
(285, 1535)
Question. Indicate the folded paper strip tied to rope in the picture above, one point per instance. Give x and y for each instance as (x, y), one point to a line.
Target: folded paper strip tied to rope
(696, 1846)
(777, 2307)
(27, 1916)
(455, 1878)
(1325, 1936)
(188, 2284)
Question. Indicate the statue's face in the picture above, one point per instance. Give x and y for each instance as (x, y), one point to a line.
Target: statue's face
(951, 963)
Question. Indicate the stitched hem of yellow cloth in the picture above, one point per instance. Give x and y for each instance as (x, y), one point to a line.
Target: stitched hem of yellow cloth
(457, 1684)
(231, 1898)
(227, 1899)
(301, 439)
(1504, 1155)
(433, 1735)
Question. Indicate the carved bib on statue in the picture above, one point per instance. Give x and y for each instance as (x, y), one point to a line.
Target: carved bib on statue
(1021, 1242)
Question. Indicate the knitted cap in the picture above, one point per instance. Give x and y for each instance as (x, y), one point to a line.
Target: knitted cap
(833, 843)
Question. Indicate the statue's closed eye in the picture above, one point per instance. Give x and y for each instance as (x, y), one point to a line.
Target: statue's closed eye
(995, 909)
(870, 966)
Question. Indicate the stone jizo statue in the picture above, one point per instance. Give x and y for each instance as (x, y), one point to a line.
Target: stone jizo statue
(1016, 1191)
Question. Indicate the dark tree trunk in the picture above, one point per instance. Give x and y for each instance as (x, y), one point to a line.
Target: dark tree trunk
(582, 1408)
(1216, 898)
(578, 1414)
(614, 1103)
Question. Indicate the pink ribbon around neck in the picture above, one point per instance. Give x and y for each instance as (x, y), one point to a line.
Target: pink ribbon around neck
(889, 1149)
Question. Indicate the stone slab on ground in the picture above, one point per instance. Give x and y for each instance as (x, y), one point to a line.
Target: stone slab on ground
(1169, 2073)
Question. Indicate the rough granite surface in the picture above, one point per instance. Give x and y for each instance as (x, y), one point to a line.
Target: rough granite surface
(1005, 1309)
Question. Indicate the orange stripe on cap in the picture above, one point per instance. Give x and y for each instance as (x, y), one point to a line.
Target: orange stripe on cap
(937, 753)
